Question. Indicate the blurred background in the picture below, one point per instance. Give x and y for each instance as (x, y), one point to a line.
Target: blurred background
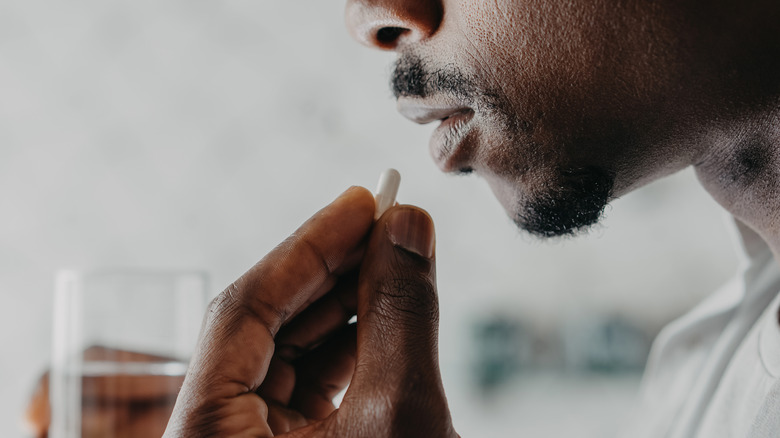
(198, 134)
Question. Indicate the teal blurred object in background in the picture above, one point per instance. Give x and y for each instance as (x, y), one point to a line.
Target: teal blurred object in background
(504, 347)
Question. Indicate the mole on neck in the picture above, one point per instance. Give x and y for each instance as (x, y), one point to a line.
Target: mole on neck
(750, 163)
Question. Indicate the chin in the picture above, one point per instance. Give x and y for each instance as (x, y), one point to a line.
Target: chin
(569, 206)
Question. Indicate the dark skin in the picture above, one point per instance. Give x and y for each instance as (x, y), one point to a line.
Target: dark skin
(637, 89)
(276, 346)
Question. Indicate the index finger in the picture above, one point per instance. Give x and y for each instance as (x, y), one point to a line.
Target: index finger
(237, 341)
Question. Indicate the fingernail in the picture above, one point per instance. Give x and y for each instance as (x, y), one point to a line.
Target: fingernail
(412, 230)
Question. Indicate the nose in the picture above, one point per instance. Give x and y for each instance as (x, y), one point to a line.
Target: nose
(390, 24)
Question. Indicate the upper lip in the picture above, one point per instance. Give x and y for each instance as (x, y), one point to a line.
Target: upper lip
(421, 113)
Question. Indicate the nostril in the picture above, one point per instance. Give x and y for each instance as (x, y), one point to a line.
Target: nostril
(388, 36)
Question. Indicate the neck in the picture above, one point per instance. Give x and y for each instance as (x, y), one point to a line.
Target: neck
(741, 170)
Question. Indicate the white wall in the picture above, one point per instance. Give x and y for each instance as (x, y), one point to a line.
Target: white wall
(199, 133)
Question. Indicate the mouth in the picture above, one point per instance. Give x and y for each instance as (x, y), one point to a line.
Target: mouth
(450, 147)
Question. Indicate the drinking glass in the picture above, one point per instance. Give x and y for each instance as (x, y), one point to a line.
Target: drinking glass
(121, 344)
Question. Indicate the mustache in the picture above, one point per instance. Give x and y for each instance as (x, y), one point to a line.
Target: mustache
(411, 77)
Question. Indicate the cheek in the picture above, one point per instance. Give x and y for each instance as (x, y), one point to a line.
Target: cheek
(522, 47)
(494, 29)
(490, 19)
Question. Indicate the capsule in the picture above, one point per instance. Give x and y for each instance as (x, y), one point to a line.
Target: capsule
(386, 191)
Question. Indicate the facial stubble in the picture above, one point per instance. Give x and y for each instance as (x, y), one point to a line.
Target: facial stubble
(571, 204)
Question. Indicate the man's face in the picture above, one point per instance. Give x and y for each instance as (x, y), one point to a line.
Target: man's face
(559, 105)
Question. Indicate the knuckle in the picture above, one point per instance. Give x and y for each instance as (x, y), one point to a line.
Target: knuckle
(221, 313)
(220, 304)
(240, 300)
(228, 301)
(410, 293)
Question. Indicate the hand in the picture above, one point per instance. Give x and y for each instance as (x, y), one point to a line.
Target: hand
(276, 346)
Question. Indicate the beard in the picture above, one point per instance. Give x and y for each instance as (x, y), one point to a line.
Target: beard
(571, 205)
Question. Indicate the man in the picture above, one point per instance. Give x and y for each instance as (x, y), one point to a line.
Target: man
(561, 107)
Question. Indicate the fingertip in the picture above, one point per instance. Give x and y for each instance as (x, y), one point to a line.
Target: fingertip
(419, 210)
(358, 191)
(411, 228)
(359, 198)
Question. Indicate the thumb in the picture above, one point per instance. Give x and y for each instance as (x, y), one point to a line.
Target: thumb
(398, 316)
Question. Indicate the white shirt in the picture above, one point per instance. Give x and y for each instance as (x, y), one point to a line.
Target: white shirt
(715, 371)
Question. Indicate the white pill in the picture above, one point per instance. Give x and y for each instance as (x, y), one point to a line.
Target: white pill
(386, 191)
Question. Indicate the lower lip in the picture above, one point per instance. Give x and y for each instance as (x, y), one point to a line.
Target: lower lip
(448, 139)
